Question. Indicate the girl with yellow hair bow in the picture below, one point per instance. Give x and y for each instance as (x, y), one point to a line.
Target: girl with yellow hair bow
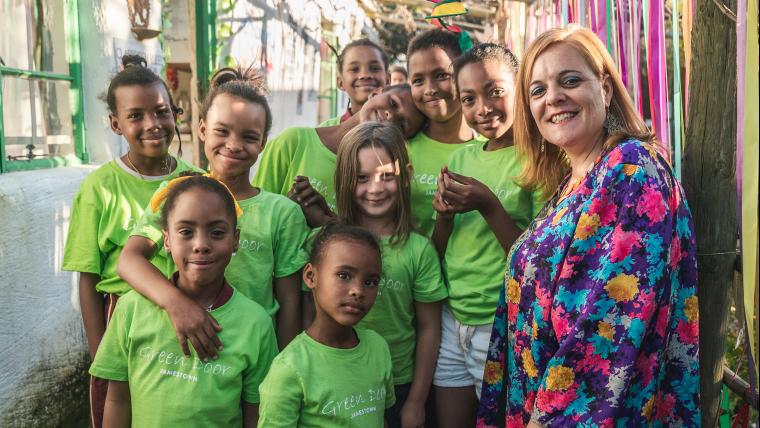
(235, 121)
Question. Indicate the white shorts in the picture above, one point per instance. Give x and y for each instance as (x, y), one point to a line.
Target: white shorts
(463, 353)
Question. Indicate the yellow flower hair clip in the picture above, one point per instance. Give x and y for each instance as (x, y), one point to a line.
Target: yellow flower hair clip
(160, 196)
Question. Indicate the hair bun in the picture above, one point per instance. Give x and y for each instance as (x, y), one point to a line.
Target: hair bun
(224, 75)
(255, 79)
(247, 75)
(134, 61)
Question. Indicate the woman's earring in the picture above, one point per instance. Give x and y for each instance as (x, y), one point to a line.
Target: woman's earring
(543, 145)
(612, 122)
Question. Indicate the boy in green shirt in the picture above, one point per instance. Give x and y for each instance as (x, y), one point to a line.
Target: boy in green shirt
(333, 375)
(430, 55)
(362, 69)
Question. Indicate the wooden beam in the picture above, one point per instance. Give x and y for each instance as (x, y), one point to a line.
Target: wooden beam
(475, 11)
(424, 25)
(739, 387)
(709, 169)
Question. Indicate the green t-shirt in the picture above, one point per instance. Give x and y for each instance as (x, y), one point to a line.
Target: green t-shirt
(474, 261)
(330, 122)
(170, 390)
(311, 385)
(272, 233)
(106, 208)
(297, 151)
(427, 156)
(411, 272)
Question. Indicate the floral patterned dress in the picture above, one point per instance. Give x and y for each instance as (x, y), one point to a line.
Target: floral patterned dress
(600, 306)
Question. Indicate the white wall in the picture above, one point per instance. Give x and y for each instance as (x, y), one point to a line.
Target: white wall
(43, 357)
(105, 35)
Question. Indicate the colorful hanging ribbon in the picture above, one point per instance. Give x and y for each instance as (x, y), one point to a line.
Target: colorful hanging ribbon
(658, 75)
(599, 20)
(747, 155)
(687, 17)
(677, 110)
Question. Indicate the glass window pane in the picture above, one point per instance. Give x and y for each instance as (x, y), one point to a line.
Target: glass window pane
(36, 118)
(38, 39)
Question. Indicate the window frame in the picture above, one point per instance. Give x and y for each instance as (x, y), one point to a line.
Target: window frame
(74, 77)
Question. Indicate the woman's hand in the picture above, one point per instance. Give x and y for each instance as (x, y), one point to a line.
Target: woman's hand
(312, 203)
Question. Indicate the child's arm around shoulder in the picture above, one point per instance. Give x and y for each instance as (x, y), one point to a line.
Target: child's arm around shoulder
(191, 323)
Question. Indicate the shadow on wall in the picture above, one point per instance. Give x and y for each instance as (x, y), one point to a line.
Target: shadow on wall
(44, 359)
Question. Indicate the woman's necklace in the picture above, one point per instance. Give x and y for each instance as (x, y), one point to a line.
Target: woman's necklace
(573, 184)
(166, 167)
(570, 187)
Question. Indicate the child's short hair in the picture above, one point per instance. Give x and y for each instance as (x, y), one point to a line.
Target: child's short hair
(339, 230)
(486, 52)
(373, 135)
(135, 72)
(362, 42)
(245, 83)
(400, 86)
(435, 38)
(197, 181)
(398, 68)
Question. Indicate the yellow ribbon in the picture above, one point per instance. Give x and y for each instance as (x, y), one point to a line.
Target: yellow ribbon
(160, 196)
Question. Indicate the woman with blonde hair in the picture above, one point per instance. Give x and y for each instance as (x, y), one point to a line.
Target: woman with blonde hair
(597, 323)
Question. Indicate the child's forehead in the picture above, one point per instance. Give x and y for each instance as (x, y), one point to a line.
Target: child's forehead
(362, 53)
(434, 52)
(373, 156)
(347, 252)
(190, 198)
(152, 92)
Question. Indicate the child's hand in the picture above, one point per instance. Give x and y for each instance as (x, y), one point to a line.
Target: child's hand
(442, 209)
(464, 194)
(413, 415)
(192, 323)
(440, 206)
(312, 203)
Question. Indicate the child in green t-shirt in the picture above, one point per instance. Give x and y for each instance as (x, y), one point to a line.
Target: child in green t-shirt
(300, 161)
(372, 183)
(362, 70)
(333, 375)
(481, 210)
(430, 55)
(113, 197)
(235, 120)
(150, 382)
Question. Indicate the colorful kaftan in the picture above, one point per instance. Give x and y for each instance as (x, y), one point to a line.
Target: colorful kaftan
(600, 306)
